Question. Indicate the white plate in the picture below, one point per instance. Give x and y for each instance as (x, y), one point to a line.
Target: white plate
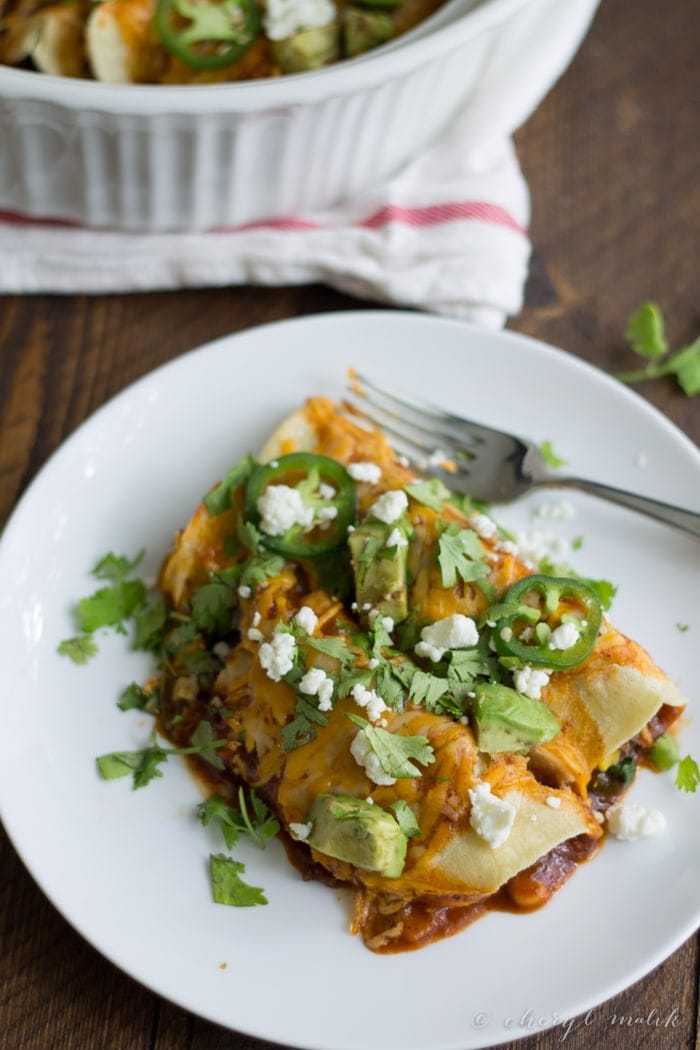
(128, 869)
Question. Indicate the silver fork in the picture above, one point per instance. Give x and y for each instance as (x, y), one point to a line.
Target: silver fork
(489, 464)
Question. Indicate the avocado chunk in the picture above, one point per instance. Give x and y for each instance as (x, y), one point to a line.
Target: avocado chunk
(508, 721)
(356, 831)
(363, 30)
(308, 49)
(379, 570)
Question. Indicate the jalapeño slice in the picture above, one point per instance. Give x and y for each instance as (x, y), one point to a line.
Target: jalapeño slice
(207, 34)
(325, 491)
(539, 615)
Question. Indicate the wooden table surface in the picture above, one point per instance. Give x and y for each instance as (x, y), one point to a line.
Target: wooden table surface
(612, 158)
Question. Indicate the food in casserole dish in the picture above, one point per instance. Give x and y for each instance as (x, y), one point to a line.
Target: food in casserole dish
(432, 721)
(197, 41)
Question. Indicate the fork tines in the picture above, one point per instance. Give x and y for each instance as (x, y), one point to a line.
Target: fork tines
(419, 431)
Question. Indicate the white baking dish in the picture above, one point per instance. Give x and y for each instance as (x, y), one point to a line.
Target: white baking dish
(195, 157)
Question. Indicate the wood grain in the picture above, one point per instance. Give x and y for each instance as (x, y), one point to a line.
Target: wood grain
(612, 159)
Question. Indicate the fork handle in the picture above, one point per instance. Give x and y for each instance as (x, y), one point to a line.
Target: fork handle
(689, 520)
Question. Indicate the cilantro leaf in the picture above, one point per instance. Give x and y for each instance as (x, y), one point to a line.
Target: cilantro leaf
(431, 493)
(149, 767)
(219, 499)
(212, 604)
(301, 729)
(645, 331)
(201, 662)
(688, 774)
(116, 567)
(427, 689)
(550, 457)
(203, 740)
(460, 554)
(395, 750)
(604, 589)
(352, 676)
(228, 887)
(390, 687)
(217, 809)
(466, 665)
(260, 569)
(150, 624)
(248, 535)
(134, 697)
(110, 606)
(405, 818)
(181, 636)
(79, 649)
(261, 824)
(686, 366)
(336, 648)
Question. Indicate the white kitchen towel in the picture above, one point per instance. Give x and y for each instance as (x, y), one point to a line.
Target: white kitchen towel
(448, 233)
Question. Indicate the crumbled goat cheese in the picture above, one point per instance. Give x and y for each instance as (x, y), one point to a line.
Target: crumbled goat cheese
(534, 546)
(564, 636)
(361, 751)
(370, 700)
(280, 507)
(284, 18)
(452, 632)
(277, 656)
(307, 619)
(530, 681)
(562, 510)
(369, 472)
(491, 817)
(629, 820)
(326, 491)
(317, 683)
(244, 591)
(483, 525)
(255, 634)
(390, 506)
(300, 831)
(387, 622)
(325, 515)
(396, 538)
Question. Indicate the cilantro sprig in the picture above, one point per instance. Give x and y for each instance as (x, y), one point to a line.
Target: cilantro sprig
(108, 607)
(143, 765)
(252, 817)
(646, 334)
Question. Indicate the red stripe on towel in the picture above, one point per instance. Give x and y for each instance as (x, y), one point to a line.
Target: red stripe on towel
(428, 215)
